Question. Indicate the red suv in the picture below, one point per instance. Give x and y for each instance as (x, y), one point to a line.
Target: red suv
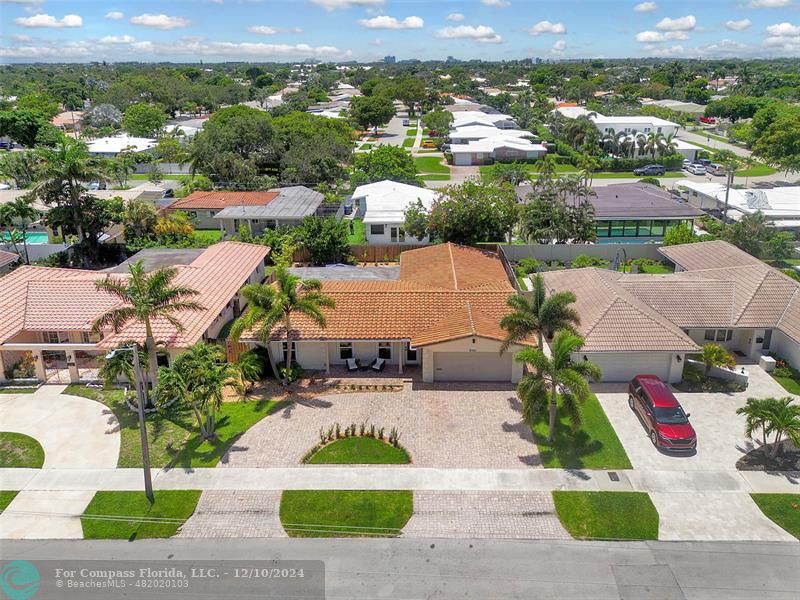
(662, 414)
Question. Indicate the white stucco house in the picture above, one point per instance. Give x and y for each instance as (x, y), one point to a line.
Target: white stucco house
(498, 148)
(382, 206)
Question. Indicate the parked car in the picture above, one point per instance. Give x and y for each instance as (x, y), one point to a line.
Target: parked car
(708, 120)
(650, 170)
(703, 161)
(662, 415)
(686, 162)
(696, 169)
(428, 144)
(715, 169)
(406, 122)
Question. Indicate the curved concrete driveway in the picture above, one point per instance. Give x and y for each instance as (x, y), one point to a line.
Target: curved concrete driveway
(75, 433)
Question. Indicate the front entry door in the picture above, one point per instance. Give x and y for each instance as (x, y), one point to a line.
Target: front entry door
(767, 339)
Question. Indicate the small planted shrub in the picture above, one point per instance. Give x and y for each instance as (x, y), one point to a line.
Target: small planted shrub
(584, 260)
(526, 266)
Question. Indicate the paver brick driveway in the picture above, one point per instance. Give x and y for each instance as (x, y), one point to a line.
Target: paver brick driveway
(439, 427)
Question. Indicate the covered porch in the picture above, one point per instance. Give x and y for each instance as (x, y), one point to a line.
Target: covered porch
(49, 363)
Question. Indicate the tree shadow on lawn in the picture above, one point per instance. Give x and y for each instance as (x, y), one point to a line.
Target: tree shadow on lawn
(569, 448)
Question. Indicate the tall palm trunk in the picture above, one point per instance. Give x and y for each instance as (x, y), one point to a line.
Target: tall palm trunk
(551, 433)
(288, 362)
(152, 361)
(776, 444)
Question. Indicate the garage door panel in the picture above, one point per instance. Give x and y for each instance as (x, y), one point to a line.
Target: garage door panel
(623, 367)
(472, 366)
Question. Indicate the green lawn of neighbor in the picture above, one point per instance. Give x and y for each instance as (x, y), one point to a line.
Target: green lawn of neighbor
(5, 499)
(359, 235)
(594, 446)
(207, 236)
(340, 513)
(661, 269)
(408, 142)
(127, 511)
(146, 176)
(783, 509)
(20, 451)
(25, 390)
(411, 132)
(435, 177)
(757, 170)
(532, 168)
(431, 164)
(359, 451)
(629, 174)
(172, 434)
(365, 146)
(607, 515)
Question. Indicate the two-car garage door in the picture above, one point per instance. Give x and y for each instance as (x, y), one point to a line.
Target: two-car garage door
(472, 366)
(623, 367)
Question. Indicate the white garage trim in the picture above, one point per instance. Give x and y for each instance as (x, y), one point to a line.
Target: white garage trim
(623, 366)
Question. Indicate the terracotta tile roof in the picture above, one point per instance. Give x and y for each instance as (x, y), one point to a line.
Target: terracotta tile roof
(7, 258)
(708, 255)
(439, 287)
(41, 298)
(220, 200)
(613, 319)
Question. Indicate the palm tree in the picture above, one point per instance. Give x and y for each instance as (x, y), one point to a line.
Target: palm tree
(652, 143)
(250, 367)
(541, 315)
(144, 297)
(714, 355)
(756, 413)
(120, 364)
(198, 377)
(7, 225)
(540, 388)
(272, 304)
(668, 145)
(782, 419)
(21, 210)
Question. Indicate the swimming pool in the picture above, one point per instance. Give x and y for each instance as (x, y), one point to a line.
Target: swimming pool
(32, 237)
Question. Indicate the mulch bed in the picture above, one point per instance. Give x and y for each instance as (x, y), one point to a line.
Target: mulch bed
(788, 459)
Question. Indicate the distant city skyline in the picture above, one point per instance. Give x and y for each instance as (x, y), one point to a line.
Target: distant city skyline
(368, 30)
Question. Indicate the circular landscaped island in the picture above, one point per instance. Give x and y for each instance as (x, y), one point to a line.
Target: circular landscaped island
(359, 451)
(21, 451)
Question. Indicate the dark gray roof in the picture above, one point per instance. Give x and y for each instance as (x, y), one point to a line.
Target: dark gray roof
(633, 201)
(156, 258)
(294, 202)
(347, 272)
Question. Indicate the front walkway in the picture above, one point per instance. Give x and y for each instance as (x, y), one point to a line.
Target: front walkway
(76, 433)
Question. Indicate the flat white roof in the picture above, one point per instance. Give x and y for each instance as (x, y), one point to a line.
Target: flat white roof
(493, 143)
(118, 143)
(476, 116)
(781, 204)
(386, 201)
(572, 112)
(478, 132)
(633, 119)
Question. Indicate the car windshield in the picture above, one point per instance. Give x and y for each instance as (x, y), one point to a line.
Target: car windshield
(672, 415)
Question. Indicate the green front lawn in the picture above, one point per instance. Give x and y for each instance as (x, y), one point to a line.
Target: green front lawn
(365, 146)
(340, 513)
(607, 515)
(207, 237)
(431, 164)
(172, 433)
(359, 234)
(790, 384)
(411, 133)
(20, 451)
(435, 177)
(359, 451)
(783, 509)
(408, 142)
(594, 446)
(486, 171)
(25, 390)
(757, 170)
(5, 499)
(129, 515)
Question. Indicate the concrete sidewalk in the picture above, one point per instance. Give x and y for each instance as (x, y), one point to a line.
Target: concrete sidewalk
(401, 478)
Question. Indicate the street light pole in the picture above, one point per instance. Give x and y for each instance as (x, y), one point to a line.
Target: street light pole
(727, 192)
(140, 392)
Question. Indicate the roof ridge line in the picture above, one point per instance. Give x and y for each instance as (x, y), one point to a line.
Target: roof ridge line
(452, 265)
(471, 319)
(753, 295)
(783, 314)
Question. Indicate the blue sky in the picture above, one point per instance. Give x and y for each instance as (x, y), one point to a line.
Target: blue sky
(284, 30)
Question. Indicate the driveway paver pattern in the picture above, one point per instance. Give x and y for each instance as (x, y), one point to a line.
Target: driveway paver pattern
(235, 514)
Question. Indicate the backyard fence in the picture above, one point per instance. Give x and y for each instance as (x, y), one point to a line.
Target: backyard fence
(366, 253)
(566, 253)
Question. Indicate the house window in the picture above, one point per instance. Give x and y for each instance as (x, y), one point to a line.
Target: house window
(211, 213)
(644, 228)
(385, 350)
(601, 228)
(85, 337)
(162, 359)
(411, 354)
(51, 337)
(657, 229)
(377, 229)
(192, 214)
(709, 335)
(617, 228)
(630, 228)
(397, 234)
(284, 346)
(718, 335)
(345, 350)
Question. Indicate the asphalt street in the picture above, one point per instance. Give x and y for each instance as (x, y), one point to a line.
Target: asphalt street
(479, 569)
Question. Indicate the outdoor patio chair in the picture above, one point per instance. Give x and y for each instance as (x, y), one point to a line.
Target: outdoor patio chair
(378, 364)
(352, 364)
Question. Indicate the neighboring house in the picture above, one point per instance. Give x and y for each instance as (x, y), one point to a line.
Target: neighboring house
(781, 205)
(69, 120)
(691, 108)
(48, 313)
(229, 210)
(382, 206)
(442, 314)
(499, 148)
(635, 324)
(469, 118)
(7, 260)
(464, 135)
(109, 147)
(633, 212)
(616, 125)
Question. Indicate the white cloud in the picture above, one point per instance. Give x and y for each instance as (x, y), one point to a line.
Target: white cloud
(58, 53)
(385, 22)
(645, 7)
(337, 4)
(656, 37)
(482, 33)
(42, 20)
(496, 3)
(269, 30)
(160, 21)
(784, 30)
(21, 1)
(117, 39)
(686, 23)
(21, 38)
(738, 25)
(559, 47)
(114, 15)
(455, 17)
(768, 3)
(547, 27)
